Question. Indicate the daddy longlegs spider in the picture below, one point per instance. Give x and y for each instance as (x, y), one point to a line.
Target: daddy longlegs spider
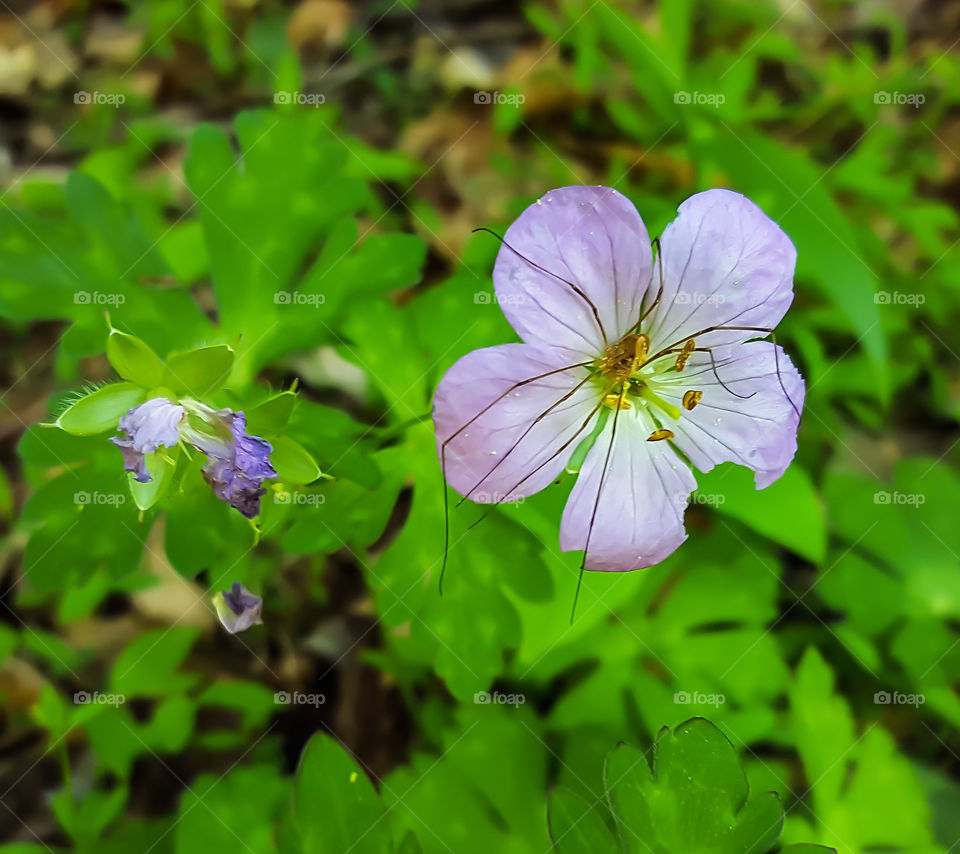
(683, 348)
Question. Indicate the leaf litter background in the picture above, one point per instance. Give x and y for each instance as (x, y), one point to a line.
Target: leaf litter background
(806, 622)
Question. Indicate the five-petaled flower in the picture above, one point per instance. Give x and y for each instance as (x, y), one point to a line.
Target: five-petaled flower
(646, 361)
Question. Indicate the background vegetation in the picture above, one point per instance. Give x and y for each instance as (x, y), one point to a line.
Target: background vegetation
(299, 182)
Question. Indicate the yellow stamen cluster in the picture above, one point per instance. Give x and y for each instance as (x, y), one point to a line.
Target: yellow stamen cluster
(623, 360)
(626, 357)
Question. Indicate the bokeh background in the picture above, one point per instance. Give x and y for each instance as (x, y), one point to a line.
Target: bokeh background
(301, 181)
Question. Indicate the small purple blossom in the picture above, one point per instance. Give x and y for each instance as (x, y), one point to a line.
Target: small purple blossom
(237, 462)
(653, 373)
(238, 608)
(147, 427)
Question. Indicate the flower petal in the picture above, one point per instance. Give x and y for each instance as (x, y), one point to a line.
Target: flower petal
(488, 403)
(725, 263)
(151, 425)
(593, 238)
(638, 518)
(759, 431)
(238, 608)
(236, 470)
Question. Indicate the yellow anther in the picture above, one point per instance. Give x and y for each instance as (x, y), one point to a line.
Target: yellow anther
(691, 399)
(640, 352)
(681, 362)
(617, 401)
(626, 357)
(660, 435)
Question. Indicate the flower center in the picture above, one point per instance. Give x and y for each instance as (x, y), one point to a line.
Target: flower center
(623, 359)
(630, 375)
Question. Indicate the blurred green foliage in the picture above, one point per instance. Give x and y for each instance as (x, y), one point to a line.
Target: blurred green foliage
(815, 624)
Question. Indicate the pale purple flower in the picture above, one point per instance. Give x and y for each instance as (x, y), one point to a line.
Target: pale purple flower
(147, 427)
(576, 279)
(238, 608)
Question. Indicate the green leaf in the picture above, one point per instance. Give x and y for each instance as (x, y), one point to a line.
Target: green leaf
(807, 849)
(24, 848)
(6, 496)
(864, 793)
(789, 511)
(147, 667)
(134, 360)
(232, 812)
(253, 702)
(100, 410)
(409, 844)
(695, 801)
(201, 371)
(576, 827)
(823, 726)
(293, 462)
(51, 712)
(86, 821)
(272, 415)
(336, 805)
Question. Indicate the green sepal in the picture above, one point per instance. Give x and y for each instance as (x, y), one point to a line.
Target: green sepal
(101, 410)
(161, 464)
(134, 360)
(200, 371)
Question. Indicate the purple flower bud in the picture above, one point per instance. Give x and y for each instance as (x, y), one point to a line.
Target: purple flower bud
(237, 462)
(151, 425)
(238, 608)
